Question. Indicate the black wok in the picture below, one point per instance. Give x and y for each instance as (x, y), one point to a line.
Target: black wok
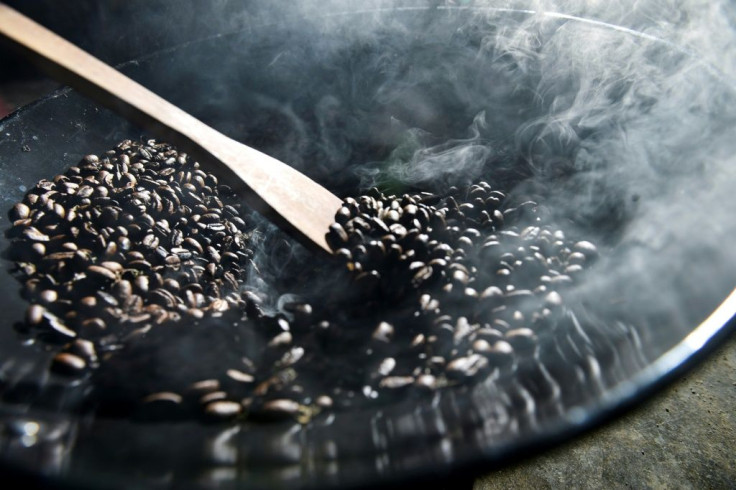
(334, 93)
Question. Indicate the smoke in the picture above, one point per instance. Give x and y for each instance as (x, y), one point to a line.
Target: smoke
(618, 115)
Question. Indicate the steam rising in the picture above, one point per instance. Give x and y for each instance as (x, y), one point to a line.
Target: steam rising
(617, 115)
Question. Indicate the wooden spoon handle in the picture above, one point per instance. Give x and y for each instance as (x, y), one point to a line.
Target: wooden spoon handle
(286, 196)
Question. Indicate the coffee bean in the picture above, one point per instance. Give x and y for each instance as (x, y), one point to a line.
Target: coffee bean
(33, 234)
(589, 250)
(386, 366)
(35, 314)
(68, 364)
(466, 366)
(212, 396)
(383, 332)
(205, 385)
(240, 376)
(281, 407)
(521, 339)
(57, 326)
(167, 397)
(394, 382)
(324, 401)
(101, 273)
(85, 349)
(284, 338)
(49, 296)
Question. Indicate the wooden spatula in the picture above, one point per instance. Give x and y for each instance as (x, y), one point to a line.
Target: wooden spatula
(284, 195)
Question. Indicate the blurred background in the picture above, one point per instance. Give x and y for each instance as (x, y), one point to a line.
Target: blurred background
(685, 437)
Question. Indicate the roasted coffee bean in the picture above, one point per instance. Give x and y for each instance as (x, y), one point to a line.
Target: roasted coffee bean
(49, 296)
(35, 314)
(204, 386)
(212, 396)
(167, 397)
(466, 366)
(426, 381)
(85, 349)
(280, 408)
(383, 332)
(589, 250)
(223, 409)
(101, 273)
(521, 339)
(20, 211)
(68, 364)
(240, 376)
(394, 382)
(58, 328)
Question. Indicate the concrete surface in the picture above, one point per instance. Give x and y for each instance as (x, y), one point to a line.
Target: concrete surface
(685, 437)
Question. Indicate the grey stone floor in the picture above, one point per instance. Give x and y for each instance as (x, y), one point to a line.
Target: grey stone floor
(684, 437)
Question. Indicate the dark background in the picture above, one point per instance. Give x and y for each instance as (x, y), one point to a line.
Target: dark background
(117, 31)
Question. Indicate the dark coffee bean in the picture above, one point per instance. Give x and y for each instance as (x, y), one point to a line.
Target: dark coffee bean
(482, 346)
(240, 376)
(336, 236)
(212, 396)
(426, 381)
(192, 244)
(163, 397)
(141, 265)
(561, 280)
(384, 332)
(20, 211)
(522, 339)
(394, 382)
(324, 401)
(142, 283)
(553, 300)
(573, 269)
(33, 234)
(115, 267)
(49, 296)
(85, 349)
(57, 326)
(162, 297)
(39, 249)
(94, 324)
(68, 364)
(466, 366)
(89, 302)
(281, 408)
(35, 314)
(205, 386)
(150, 241)
(101, 273)
(386, 366)
(589, 250)
(282, 339)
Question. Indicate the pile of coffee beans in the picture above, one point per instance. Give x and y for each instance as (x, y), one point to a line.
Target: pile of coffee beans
(138, 236)
(136, 265)
(477, 277)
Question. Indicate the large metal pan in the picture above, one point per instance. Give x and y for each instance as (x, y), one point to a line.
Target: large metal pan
(635, 149)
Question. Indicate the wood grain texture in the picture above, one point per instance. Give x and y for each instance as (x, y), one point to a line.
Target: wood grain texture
(284, 195)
